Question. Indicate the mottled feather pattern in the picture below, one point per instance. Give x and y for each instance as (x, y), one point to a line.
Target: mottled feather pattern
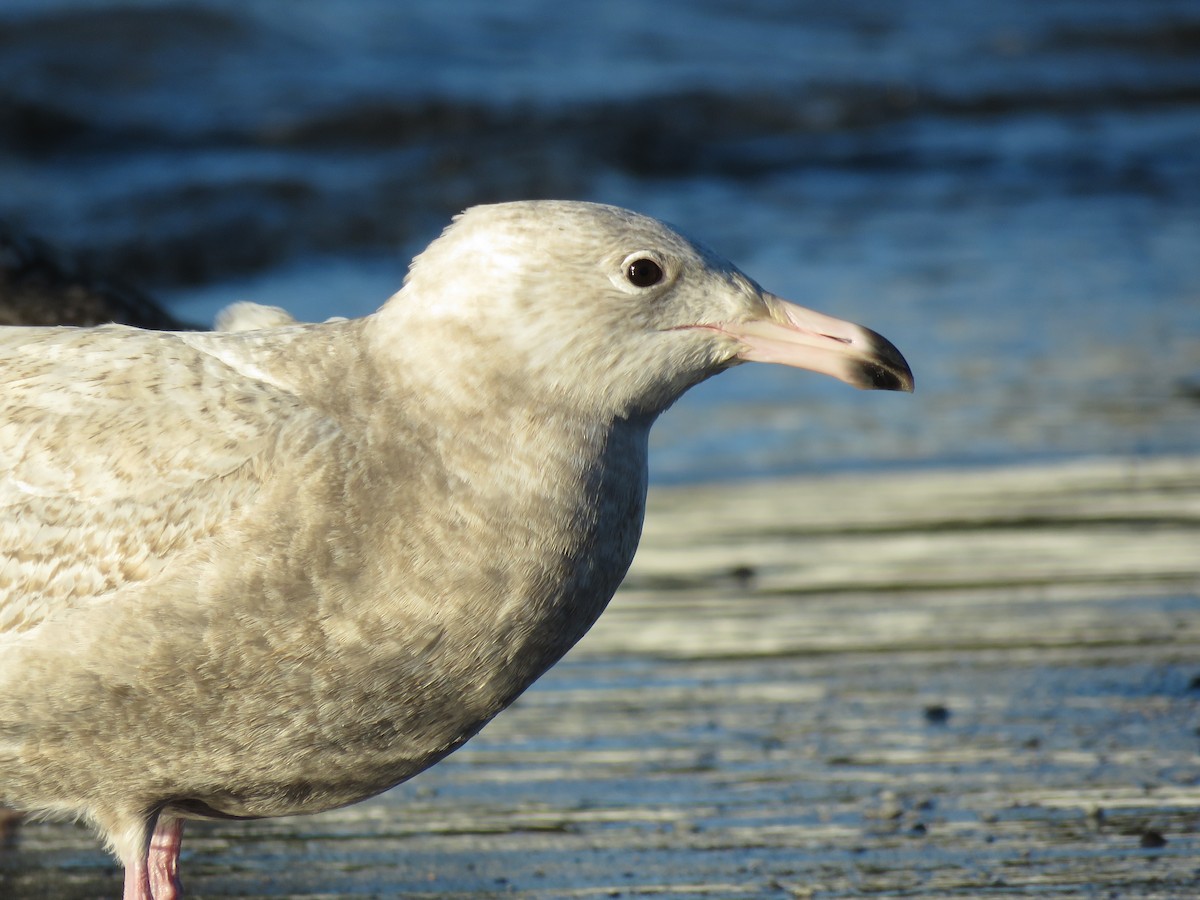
(86, 508)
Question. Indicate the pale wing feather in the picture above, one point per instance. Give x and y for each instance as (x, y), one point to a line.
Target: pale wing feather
(119, 450)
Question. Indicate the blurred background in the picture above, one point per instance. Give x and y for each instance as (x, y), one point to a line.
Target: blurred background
(938, 684)
(1009, 191)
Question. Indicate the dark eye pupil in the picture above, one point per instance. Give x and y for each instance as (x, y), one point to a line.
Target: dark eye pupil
(644, 272)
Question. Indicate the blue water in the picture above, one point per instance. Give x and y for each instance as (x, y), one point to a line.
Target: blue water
(1010, 192)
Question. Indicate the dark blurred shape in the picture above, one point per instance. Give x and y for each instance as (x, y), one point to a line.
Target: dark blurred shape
(743, 576)
(30, 129)
(9, 821)
(1179, 37)
(937, 714)
(1190, 390)
(40, 286)
(1152, 839)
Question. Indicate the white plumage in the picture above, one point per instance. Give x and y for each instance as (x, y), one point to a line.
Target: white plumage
(280, 570)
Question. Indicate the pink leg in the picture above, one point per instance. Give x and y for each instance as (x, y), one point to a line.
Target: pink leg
(163, 861)
(137, 884)
(157, 876)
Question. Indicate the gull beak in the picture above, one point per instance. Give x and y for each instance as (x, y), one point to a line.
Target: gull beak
(794, 336)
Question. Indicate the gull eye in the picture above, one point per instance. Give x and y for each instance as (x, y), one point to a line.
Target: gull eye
(644, 272)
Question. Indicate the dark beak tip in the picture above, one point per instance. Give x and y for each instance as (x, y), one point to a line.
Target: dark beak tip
(885, 378)
(902, 380)
(889, 370)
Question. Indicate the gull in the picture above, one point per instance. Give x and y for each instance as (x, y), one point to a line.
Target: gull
(279, 570)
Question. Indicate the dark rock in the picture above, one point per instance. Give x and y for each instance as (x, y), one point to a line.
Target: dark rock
(40, 286)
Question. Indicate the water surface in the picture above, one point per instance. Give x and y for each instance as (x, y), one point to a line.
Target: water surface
(1011, 192)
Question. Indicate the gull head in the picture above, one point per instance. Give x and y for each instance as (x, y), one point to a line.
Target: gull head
(610, 309)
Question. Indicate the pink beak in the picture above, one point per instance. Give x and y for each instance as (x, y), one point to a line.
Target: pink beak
(795, 336)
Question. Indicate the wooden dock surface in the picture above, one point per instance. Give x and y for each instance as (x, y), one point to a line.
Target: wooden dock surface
(932, 684)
